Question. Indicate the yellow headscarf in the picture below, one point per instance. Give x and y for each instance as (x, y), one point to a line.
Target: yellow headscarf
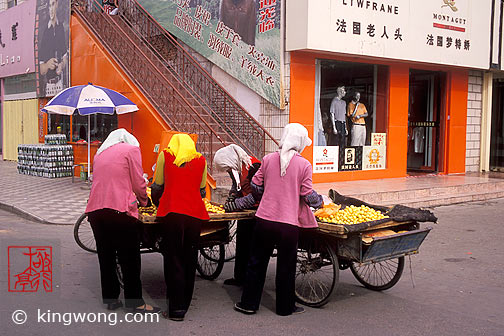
(183, 148)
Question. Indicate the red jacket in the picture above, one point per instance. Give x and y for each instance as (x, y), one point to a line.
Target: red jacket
(182, 188)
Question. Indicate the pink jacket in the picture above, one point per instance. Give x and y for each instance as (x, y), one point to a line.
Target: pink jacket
(282, 199)
(118, 180)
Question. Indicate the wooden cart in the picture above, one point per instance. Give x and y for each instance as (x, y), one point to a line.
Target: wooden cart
(214, 236)
(377, 263)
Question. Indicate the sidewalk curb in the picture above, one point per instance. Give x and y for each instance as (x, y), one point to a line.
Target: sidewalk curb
(15, 210)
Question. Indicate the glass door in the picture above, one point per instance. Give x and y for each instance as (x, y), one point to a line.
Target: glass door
(423, 121)
(497, 133)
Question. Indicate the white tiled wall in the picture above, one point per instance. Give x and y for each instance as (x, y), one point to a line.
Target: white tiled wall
(3, 5)
(474, 109)
(272, 118)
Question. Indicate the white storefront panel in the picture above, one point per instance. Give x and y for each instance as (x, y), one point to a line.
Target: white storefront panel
(433, 31)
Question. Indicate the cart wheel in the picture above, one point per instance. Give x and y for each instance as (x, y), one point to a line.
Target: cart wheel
(231, 246)
(317, 273)
(379, 275)
(211, 261)
(83, 234)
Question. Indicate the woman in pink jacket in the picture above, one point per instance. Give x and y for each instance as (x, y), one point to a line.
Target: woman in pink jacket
(112, 211)
(284, 184)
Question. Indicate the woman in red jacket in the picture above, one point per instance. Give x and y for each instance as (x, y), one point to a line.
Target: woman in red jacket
(241, 168)
(182, 171)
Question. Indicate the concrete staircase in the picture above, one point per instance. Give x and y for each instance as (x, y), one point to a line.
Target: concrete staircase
(436, 196)
(417, 192)
(421, 192)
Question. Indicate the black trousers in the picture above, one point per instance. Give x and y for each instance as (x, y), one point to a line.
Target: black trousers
(267, 236)
(340, 138)
(180, 235)
(244, 233)
(117, 234)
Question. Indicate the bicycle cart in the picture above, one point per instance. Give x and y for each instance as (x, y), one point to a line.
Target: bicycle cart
(377, 262)
(215, 234)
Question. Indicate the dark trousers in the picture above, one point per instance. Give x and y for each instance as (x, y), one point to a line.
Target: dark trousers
(340, 138)
(244, 233)
(116, 234)
(267, 236)
(180, 235)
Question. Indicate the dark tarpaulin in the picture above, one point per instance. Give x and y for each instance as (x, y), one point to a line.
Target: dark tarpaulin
(398, 213)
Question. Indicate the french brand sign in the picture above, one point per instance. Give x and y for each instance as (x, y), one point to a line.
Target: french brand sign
(434, 31)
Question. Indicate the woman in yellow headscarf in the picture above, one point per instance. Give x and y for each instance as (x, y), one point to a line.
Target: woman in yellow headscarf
(181, 211)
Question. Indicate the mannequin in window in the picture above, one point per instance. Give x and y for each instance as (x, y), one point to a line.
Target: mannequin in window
(357, 111)
(337, 115)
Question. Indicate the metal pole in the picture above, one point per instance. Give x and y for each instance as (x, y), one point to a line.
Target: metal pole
(88, 147)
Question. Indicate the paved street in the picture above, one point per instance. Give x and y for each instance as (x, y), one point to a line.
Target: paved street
(454, 286)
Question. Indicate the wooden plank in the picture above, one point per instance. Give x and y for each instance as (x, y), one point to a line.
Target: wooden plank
(231, 215)
(339, 229)
(214, 217)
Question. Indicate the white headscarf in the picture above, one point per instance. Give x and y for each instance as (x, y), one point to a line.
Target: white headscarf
(232, 157)
(294, 140)
(117, 136)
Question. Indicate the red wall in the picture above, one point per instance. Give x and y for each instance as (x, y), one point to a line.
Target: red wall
(90, 62)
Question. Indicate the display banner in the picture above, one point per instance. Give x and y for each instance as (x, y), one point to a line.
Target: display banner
(373, 157)
(325, 159)
(350, 158)
(379, 139)
(455, 32)
(52, 46)
(16, 39)
(242, 37)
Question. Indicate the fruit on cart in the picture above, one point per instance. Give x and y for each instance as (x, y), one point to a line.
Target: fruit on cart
(327, 210)
(351, 215)
(148, 211)
(216, 208)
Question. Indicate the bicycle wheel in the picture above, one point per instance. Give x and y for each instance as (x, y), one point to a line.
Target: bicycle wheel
(317, 273)
(83, 234)
(230, 247)
(379, 275)
(211, 261)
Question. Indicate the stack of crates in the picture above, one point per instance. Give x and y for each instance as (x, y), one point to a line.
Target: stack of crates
(52, 159)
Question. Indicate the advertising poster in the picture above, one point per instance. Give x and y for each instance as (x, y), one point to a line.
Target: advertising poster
(379, 139)
(373, 157)
(52, 46)
(16, 40)
(325, 159)
(242, 37)
(350, 158)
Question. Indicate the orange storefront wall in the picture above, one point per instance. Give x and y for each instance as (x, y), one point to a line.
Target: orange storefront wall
(92, 63)
(452, 148)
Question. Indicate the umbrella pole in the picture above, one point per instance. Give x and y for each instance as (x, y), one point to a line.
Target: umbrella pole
(88, 148)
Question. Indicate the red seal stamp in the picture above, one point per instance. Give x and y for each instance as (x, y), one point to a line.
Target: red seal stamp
(30, 268)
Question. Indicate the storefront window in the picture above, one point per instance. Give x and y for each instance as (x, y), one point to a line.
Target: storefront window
(100, 126)
(350, 116)
(58, 124)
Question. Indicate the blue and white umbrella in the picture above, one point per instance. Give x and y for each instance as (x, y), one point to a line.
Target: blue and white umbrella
(89, 99)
